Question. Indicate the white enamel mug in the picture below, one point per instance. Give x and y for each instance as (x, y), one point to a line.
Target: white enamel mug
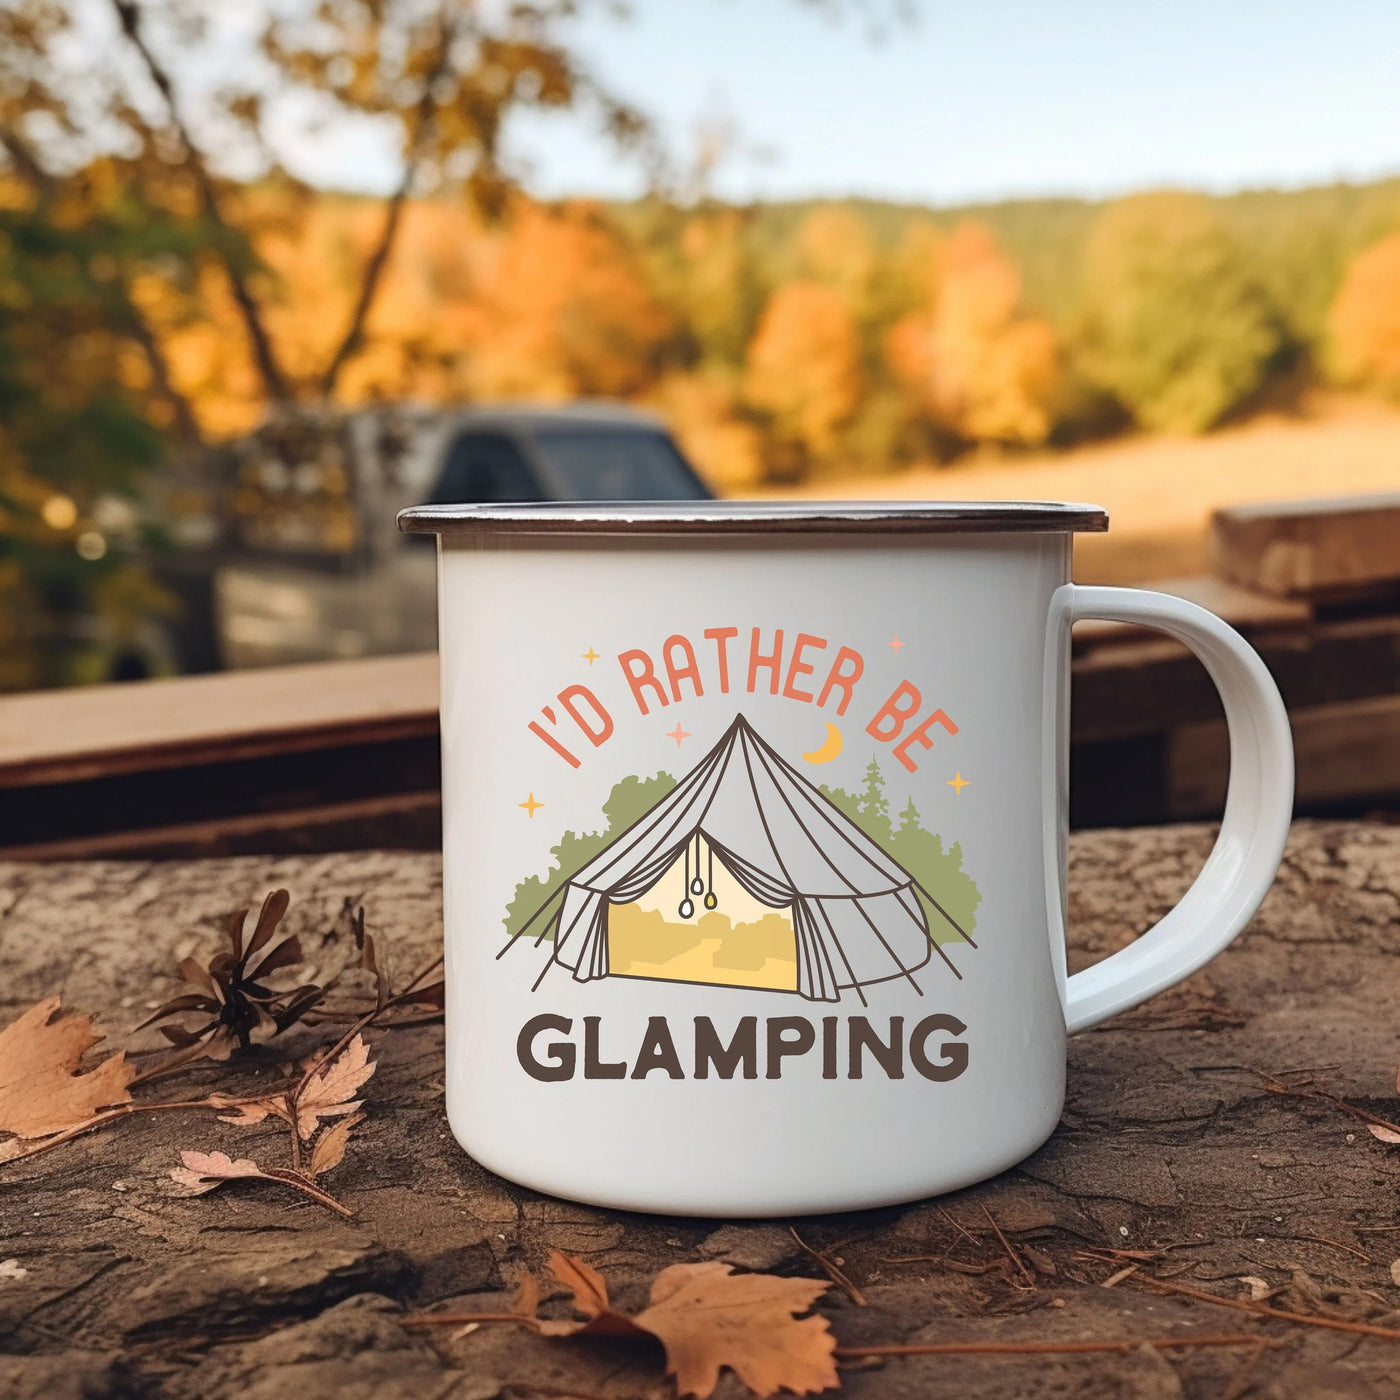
(755, 837)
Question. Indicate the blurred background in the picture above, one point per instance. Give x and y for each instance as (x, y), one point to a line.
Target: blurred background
(272, 269)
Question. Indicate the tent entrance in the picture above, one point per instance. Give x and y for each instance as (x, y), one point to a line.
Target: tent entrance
(717, 934)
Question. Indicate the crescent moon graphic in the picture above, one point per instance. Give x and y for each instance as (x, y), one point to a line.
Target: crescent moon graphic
(829, 749)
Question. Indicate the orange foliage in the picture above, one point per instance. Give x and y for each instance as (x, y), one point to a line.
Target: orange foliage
(1364, 322)
(804, 364)
(562, 310)
(981, 369)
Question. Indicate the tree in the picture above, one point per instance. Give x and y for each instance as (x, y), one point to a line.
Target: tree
(76, 439)
(804, 367)
(1177, 324)
(874, 806)
(1363, 324)
(563, 309)
(442, 75)
(982, 369)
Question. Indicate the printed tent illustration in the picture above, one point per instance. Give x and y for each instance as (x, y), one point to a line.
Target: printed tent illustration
(856, 913)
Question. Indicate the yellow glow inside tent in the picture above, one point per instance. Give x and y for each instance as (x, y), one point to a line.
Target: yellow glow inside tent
(742, 943)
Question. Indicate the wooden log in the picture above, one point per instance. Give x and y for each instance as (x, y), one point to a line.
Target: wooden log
(1330, 548)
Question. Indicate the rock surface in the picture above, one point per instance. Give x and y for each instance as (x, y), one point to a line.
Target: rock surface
(1171, 1144)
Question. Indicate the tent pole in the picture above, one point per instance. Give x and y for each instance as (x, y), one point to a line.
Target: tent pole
(966, 936)
(520, 932)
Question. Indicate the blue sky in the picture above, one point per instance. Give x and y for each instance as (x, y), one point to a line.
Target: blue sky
(982, 99)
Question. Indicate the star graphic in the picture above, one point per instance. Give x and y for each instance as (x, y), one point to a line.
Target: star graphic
(958, 784)
(678, 734)
(590, 656)
(896, 644)
(530, 805)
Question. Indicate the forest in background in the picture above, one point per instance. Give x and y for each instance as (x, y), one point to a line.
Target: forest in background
(787, 342)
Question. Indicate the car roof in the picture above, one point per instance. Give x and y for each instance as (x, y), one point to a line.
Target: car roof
(530, 418)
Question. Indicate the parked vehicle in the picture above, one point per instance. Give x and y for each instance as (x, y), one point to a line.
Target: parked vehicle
(316, 567)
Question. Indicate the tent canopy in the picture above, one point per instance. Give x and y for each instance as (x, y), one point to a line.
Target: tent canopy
(856, 912)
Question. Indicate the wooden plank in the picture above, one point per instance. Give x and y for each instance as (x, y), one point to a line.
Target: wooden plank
(70, 735)
(1150, 686)
(1344, 753)
(400, 821)
(1331, 547)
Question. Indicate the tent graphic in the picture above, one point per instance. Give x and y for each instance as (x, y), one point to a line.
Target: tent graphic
(857, 915)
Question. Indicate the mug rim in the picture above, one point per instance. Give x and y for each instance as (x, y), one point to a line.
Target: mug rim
(754, 517)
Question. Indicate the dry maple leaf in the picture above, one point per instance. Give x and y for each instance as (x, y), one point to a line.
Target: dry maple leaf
(707, 1317)
(329, 1092)
(203, 1171)
(41, 1091)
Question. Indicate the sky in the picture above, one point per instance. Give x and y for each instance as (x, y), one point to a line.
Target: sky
(974, 100)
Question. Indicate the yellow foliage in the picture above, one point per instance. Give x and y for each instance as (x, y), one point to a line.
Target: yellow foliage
(982, 370)
(804, 364)
(1364, 322)
(703, 411)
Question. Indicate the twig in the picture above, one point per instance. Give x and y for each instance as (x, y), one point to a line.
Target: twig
(1276, 1086)
(1011, 1253)
(1114, 1279)
(944, 1262)
(833, 1272)
(111, 1115)
(1127, 1344)
(1337, 1244)
(961, 1229)
(1334, 1324)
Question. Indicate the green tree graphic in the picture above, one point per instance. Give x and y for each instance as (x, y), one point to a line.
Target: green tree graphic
(629, 800)
(919, 851)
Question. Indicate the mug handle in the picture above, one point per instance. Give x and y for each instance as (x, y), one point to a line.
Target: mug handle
(1258, 804)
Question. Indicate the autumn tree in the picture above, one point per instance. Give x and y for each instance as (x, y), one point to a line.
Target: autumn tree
(562, 309)
(981, 368)
(804, 367)
(1363, 324)
(1177, 324)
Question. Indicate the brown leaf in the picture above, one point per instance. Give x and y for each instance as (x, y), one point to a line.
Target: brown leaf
(41, 1091)
(1395, 1272)
(1385, 1134)
(250, 1112)
(203, 1171)
(274, 907)
(330, 1147)
(329, 1093)
(708, 1317)
(583, 1281)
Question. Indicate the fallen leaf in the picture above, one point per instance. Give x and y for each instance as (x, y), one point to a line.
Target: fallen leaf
(1395, 1272)
(330, 1147)
(329, 1093)
(203, 1171)
(250, 1112)
(583, 1281)
(1385, 1134)
(41, 1091)
(1259, 1288)
(708, 1317)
